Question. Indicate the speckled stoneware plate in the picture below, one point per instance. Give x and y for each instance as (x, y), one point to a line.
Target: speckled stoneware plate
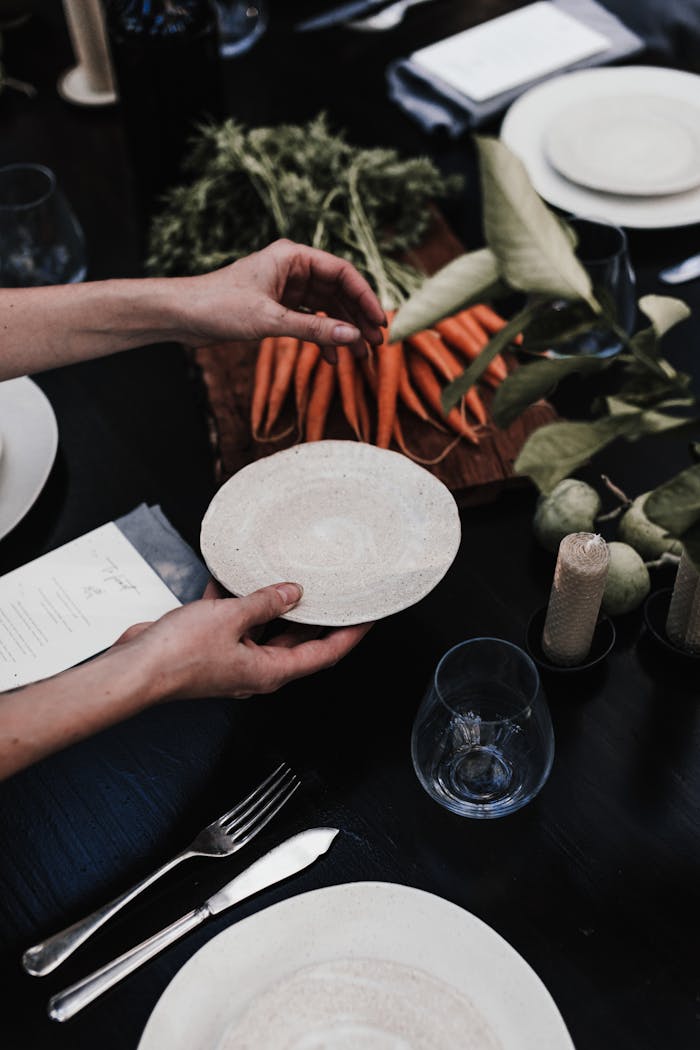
(361, 966)
(365, 531)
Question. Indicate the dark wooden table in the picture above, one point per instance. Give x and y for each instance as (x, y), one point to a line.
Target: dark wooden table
(595, 883)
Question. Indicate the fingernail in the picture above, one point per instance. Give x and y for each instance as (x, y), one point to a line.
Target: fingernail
(345, 333)
(290, 593)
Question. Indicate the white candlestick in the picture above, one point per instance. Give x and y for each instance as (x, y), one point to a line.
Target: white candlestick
(574, 602)
(91, 82)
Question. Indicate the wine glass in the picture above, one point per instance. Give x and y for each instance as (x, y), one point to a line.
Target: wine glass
(241, 24)
(41, 241)
(602, 250)
(482, 741)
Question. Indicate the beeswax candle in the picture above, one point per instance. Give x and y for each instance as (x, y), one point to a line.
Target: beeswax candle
(574, 601)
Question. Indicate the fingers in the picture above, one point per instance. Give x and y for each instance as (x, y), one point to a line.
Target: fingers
(293, 634)
(288, 663)
(214, 589)
(266, 604)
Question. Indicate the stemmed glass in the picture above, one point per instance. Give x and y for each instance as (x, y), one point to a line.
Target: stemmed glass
(482, 741)
(41, 241)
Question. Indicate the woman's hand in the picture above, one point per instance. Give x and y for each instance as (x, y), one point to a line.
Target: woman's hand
(206, 649)
(267, 293)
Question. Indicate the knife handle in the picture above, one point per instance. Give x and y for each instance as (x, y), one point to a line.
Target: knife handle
(67, 1003)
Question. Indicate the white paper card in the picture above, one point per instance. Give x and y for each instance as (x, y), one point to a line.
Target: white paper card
(518, 47)
(74, 602)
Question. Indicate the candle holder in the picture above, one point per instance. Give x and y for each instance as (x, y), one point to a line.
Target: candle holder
(655, 616)
(602, 642)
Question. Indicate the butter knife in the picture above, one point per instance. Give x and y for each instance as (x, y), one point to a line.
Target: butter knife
(687, 270)
(284, 860)
(338, 15)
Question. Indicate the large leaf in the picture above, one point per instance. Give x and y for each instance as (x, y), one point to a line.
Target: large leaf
(675, 506)
(533, 381)
(533, 250)
(664, 312)
(455, 390)
(556, 450)
(469, 279)
(558, 323)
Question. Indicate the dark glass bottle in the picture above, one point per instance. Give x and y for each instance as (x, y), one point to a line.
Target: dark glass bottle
(167, 67)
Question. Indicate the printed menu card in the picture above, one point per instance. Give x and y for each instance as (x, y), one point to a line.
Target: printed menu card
(74, 602)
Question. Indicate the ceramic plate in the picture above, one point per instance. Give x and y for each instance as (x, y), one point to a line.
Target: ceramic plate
(636, 144)
(360, 966)
(29, 443)
(529, 121)
(366, 531)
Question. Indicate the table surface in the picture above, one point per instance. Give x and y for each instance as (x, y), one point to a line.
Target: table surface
(595, 883)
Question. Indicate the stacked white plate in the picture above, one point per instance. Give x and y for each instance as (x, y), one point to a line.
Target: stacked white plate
(618, 144)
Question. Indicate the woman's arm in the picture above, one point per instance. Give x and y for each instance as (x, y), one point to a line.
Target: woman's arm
(268, 293)
(200, 650)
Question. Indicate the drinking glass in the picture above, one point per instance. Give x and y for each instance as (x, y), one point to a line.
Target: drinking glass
(241, 24)
(602, 250)
(41, 241)
(482, 741)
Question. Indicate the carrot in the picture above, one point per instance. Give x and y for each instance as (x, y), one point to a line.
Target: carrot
(362, 407)
(472, 399)
(285, 358)
(389, 356)
(490, 320)
(410, 397)
(261, 382)
(306, 362)
(320, 398)
(428, 384)
(401, 442)
(346, 382)
(465, 335)
(431, 346)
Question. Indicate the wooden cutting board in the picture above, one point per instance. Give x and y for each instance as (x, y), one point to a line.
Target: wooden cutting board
(473, 474)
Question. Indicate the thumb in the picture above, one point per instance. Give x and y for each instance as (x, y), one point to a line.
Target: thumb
(313, 328)
(267, 604)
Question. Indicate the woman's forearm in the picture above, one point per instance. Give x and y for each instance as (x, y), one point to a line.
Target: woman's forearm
(50, 715)
(47, 327)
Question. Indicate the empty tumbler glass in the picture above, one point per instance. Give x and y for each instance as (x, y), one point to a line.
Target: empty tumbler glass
(41, 241)
(482, 741)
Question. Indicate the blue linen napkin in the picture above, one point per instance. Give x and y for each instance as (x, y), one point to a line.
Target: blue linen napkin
(161, 545)
(436, 105)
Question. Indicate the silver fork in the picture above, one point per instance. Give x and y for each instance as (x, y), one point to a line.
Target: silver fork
(221, 838)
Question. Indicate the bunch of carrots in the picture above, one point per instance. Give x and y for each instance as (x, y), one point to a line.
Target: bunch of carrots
(411, 374)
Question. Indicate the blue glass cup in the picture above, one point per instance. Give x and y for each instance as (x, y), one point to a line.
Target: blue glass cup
(482, 741)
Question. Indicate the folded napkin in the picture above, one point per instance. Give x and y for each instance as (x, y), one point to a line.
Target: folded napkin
(153, 536)
(437, 105)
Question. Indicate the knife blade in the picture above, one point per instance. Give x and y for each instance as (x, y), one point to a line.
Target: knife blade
(287, 859)
(687, 270)
(342, 13)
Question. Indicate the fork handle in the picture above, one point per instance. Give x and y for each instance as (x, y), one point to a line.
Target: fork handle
(71, 1000)
(45, 957)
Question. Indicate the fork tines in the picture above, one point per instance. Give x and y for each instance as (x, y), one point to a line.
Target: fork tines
(251, 815)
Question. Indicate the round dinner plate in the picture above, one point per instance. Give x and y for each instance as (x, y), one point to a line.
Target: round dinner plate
(364, 530)
(29, 442)
(361, 965)
(559, 129)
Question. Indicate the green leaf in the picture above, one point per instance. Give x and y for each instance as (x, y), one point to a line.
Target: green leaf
(455, 390)
(664, 312)
(557, 323)
(533, 250)
(471, 278)
(556, 450)
(533, 381)
(675, 506)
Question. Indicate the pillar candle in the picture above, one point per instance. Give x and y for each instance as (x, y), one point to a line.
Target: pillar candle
(574, 601)
(86, 27)
(683, 621)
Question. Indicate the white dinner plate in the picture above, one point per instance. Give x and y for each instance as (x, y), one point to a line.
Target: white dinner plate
(530, 127)
(641, 145)
(364, 530)
(361, 966)
(29, 442)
